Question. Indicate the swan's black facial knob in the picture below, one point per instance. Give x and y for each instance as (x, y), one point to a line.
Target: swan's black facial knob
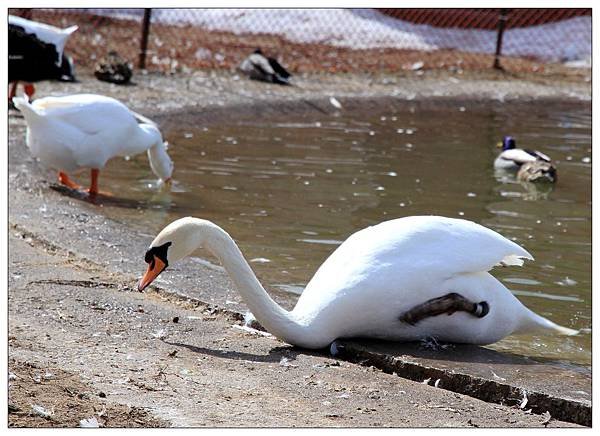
(157, 260)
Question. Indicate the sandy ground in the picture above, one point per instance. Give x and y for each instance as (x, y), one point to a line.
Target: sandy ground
(83, 343)
(71, 400)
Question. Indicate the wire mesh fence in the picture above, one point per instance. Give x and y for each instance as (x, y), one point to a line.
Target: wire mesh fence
(330, 40)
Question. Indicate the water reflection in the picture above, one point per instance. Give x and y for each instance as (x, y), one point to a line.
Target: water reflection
(528, 191)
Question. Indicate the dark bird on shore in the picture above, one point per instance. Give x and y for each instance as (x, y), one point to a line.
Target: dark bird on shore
(35, 53)
(260, 67)
(114, 69)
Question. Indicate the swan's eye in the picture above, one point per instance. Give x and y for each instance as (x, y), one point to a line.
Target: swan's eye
(149, 257)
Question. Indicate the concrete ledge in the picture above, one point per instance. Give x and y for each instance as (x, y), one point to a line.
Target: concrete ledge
(484, 374)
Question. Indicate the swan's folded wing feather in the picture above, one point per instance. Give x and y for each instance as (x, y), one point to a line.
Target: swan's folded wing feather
(464, 246)
(431, 245)
(411, 254)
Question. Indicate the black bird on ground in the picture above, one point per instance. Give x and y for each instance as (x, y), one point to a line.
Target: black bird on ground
(36, 54)
(260, 67)
(114, 69)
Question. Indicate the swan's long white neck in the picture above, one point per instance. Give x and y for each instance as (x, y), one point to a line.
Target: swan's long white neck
(273, 317)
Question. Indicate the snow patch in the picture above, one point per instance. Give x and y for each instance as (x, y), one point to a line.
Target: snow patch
(563, 41)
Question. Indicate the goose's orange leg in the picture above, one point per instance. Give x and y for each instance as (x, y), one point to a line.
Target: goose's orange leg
(94, 184)
(64, 179)
(29, 90)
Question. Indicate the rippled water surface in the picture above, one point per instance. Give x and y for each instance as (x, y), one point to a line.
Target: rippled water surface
(290, 191)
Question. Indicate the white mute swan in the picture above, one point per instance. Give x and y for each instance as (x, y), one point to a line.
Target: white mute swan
(86, 130)
(401, 280)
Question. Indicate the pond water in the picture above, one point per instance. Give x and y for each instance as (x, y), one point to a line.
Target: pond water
(290, 191)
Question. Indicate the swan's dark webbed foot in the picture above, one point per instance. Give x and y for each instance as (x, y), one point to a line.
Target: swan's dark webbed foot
(431, 343)
(336, 348)
(448, 304)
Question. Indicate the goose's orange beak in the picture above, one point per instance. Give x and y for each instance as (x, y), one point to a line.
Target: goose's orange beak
(154, 269)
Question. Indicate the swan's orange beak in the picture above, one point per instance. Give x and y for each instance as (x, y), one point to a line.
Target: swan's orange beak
(154, 269)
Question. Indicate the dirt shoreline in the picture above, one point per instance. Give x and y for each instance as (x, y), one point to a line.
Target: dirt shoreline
(73, 310)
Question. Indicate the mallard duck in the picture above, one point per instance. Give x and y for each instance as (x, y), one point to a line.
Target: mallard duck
(85, 130)
(511, 158)
(401, 280)
(259, 67)
(537, 171)
(113, 69)
(35, 53)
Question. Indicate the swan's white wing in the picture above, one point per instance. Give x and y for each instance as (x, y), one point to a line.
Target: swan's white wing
(517, 155)
(453, 245)
(421, 247)
(383, 270)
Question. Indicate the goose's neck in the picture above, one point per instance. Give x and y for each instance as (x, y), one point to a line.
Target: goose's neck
(273, 317)
(160, 162)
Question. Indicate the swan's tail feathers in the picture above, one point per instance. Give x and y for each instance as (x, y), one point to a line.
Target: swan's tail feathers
(535, 322)
(515, 259)
(565, 330)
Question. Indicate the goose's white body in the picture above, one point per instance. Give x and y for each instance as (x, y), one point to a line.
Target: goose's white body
(45, 32)
(86, 130)
(378, 274)
(513, 159)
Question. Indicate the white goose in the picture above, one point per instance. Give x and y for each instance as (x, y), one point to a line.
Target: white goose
(401, 280)
(85, 130)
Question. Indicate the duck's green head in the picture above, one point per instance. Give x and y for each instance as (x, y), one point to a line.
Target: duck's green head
(508, 143)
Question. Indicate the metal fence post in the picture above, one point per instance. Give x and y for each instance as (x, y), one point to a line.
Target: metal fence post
(502, 19)
(144, 44)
